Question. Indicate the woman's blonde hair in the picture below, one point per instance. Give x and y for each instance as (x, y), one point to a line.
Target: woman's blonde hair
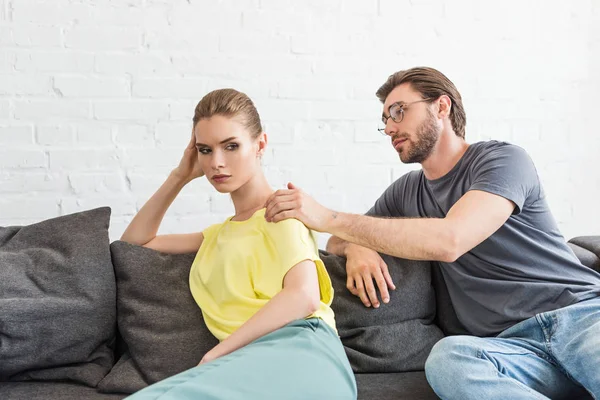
(229, 103)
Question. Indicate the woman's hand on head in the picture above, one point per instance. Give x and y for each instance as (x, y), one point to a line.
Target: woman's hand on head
(189, 166)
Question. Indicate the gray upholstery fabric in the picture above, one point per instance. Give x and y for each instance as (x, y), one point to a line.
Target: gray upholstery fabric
(398, 386)
(393, 386)
(397, 336)
(587, 249)
(124, 377)
(57, 299)
(51, 391)
(159, 320)
(586, 257)
(592, 243)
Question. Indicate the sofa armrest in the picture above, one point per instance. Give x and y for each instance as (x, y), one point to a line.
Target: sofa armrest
(587, 249)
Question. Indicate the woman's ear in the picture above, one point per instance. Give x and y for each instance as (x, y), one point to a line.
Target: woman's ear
(262, 144)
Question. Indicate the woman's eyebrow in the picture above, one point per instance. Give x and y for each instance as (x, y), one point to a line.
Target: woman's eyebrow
(221, 142)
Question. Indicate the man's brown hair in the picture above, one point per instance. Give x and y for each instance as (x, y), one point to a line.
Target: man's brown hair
(430, 83)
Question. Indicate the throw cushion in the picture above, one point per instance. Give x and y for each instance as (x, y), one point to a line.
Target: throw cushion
(587, 249)
(395, 337)
(157, 316)
(57, 299)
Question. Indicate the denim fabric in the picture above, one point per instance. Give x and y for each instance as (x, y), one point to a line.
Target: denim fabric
(554, 355)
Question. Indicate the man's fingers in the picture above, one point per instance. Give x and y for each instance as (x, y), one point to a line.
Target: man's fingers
(283, 192)
(370, 289)
(277, 195)
(279, 204)
(361, 291)
(382, 285)
(274, 199)
(387, 276)
(283, 215)
(278, 207)
(350, 285)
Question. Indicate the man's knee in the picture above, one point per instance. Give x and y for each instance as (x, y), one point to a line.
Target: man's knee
(448, 360)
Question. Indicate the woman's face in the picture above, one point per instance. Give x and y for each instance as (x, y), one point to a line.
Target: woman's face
(227, 153)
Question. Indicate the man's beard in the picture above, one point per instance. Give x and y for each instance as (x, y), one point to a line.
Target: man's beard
(427, 136)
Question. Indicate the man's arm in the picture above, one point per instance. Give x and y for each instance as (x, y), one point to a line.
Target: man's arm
(337, 246)
(472, 219)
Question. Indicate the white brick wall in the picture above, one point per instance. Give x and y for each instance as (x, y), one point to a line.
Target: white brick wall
(96, 99)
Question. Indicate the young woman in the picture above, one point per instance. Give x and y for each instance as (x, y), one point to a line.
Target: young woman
(263, 291)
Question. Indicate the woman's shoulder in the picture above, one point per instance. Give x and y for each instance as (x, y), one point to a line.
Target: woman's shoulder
(284, 231)
(212, 229)
(286, 227)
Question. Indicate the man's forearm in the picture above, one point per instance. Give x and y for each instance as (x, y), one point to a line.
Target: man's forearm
(410, 238)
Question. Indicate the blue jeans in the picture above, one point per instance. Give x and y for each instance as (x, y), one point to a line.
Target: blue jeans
(553, 355)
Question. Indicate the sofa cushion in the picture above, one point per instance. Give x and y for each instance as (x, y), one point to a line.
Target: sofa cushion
(587, 249)
(395, 337)
(57, 299)
(51, 391)
(158, 319)
(398, 386)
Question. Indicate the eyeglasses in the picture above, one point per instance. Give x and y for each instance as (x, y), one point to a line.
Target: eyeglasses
(396, 111)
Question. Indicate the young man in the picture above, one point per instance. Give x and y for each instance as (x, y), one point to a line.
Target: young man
(480, 212)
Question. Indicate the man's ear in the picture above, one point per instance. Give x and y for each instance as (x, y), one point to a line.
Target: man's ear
(445, 106)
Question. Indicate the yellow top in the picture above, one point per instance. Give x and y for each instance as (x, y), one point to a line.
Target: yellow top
(241, 265)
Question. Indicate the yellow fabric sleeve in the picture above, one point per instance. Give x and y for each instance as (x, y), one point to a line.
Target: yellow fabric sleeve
(294, 243)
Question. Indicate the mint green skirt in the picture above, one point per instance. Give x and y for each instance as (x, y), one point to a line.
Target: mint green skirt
(303, 360)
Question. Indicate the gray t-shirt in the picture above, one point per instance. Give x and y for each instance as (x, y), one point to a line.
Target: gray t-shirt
(525, 267)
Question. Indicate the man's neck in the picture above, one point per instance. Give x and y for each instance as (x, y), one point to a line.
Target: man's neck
(448, 151)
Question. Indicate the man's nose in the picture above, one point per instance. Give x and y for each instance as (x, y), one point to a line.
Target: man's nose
(390, 127)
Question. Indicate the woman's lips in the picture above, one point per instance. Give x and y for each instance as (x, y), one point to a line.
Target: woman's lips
(220, 178)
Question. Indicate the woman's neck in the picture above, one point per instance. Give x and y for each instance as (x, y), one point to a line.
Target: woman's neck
(251, 197)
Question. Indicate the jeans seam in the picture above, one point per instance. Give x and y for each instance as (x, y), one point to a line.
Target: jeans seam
(559, 365)
(541, 320)
(501, 375)
(524, 386)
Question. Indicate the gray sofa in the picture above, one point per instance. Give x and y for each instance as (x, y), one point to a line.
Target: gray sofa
(82, 318)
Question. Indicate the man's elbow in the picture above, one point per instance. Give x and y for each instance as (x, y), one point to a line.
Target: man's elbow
(451, 249)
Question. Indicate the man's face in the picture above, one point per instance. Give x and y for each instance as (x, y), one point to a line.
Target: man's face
(416, 135)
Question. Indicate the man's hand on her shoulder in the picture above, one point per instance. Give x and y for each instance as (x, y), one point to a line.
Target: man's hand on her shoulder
(294, 203)
(364, 265)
